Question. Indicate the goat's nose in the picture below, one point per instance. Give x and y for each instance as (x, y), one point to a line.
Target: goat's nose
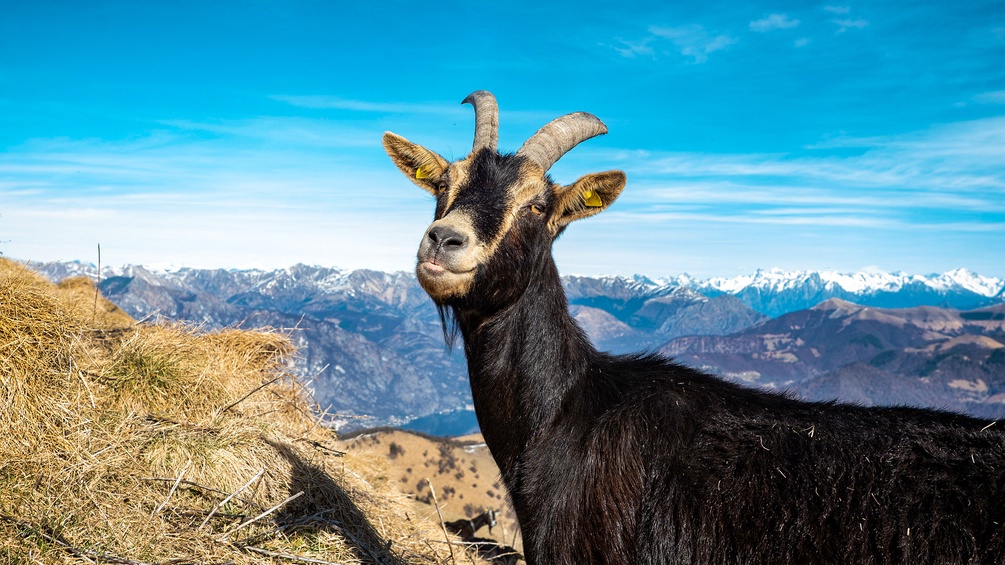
(447, 238)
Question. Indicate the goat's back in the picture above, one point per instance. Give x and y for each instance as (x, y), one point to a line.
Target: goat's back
(653, 462)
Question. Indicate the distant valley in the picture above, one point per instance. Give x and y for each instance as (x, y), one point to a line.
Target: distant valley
(372, 347)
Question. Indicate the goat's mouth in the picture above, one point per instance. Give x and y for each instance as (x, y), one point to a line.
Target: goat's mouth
(441, 282)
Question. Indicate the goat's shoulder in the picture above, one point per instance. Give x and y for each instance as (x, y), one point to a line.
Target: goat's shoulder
(637, 398)
(650, 384)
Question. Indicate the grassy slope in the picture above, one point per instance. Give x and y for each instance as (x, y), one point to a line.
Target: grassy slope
(120, 440)
(462, 472)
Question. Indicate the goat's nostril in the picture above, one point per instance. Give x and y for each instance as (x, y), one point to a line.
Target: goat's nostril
(443, 236)
(455, 241)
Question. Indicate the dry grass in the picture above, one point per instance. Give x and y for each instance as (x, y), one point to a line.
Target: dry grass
(132, 443)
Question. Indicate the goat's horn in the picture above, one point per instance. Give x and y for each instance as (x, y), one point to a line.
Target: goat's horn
(486, 119)
(559, 136)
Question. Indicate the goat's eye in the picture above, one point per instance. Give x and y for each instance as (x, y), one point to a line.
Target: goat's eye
(537, 209)
(441, 185)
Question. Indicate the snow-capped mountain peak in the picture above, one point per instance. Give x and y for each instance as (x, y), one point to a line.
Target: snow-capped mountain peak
(777, 280)
(965, 278)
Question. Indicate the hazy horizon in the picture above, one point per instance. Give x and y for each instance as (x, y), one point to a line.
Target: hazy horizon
(851, 280)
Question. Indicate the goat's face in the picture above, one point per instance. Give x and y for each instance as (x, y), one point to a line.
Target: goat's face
(494, 214)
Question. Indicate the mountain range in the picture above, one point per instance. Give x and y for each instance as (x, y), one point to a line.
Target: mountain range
(774, 292)
(372, 346)
(923, 356)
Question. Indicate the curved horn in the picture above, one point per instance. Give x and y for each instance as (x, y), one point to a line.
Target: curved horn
(559, 136)
(486, 119)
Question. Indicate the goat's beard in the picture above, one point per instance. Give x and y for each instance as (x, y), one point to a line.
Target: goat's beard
(448, 321)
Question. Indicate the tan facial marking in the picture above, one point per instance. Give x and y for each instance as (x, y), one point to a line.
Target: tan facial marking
(458, 175)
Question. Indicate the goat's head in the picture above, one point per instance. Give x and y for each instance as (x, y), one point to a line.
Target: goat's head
(496, 213)
(490, 519)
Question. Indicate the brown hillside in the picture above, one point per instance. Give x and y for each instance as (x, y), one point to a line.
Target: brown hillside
(124, 442)
(463, 474)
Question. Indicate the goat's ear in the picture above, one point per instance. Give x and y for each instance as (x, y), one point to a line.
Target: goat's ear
(420, 165)
(587, 196)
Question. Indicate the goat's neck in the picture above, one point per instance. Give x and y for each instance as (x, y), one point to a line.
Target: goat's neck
(522, 360)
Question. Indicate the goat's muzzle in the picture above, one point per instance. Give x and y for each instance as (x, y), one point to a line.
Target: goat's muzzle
(446, 265)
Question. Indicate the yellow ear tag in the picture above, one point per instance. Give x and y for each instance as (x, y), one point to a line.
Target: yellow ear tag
(422, 172)
(592, 199)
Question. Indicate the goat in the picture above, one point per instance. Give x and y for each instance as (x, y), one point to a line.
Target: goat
(636, 459)
(466, 528)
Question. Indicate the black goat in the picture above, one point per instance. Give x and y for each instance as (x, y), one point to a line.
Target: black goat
(635, 459)
(466, 528)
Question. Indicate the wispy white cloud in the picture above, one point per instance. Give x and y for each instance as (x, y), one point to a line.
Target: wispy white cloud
(995, 97)
(845, 23)
(633, 49)
(192, 200)
(781, 195)
(694, 40)
(435, 119)
(848, 23)
(950, 178)
(284, 130)
(800, 217)
(327, 102)
(773, 22)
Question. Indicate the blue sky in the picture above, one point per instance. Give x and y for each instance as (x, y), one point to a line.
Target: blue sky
(835, 135)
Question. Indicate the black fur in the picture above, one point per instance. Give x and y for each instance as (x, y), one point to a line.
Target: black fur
(638, 460)
(485, 194)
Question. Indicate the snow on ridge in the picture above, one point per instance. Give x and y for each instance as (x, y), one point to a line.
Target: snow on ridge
(778, 280)
(857, 283)
(772, 279)
(985, 286)
(866, 282)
